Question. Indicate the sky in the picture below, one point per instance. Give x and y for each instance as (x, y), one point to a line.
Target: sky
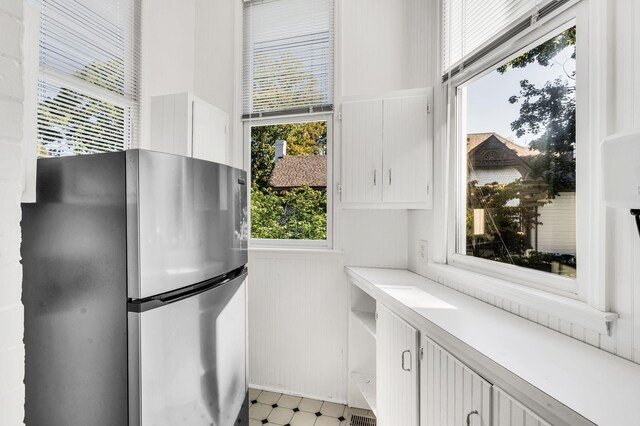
(488, 107)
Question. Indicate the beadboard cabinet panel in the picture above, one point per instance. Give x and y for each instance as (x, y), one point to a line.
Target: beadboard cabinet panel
(182, 124)
(450, 392)
(362, 151)
(210, 133)
(509, 412)
(386, 151)
(396, 370)
(405, 150)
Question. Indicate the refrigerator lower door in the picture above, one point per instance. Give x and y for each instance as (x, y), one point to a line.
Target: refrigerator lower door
(187, 360)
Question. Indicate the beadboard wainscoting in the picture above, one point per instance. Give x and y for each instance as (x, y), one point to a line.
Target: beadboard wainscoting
(298, 323)
(298, 313)
(623, 244)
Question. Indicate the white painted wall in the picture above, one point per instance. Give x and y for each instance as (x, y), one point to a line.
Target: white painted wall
(297, 323)
(623, 245)
(167, 54)
(381, 46)
(298, 309)
(11, 184)
(193, 46)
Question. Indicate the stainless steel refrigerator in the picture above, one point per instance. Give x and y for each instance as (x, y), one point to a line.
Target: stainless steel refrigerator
(134, 292)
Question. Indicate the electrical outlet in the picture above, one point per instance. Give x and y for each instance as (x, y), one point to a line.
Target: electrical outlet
(423, 251)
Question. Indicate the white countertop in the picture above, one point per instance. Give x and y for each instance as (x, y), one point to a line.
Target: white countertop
(602, 387)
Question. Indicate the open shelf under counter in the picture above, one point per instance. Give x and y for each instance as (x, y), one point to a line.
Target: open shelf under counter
(366, 384)
(367, 319)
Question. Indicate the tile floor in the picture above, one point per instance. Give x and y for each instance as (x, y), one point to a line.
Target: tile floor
(270, 409)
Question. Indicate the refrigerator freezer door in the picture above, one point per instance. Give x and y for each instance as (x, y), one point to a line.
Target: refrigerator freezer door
(186, 221)
(187, 360)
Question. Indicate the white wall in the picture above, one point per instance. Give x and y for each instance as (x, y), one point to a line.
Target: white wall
(193, 46)
(298, 320)
(383, 45)
(297, 324)
(167, 53)
(11, 176)
(380, 47)
(623, 257)
(625, 116)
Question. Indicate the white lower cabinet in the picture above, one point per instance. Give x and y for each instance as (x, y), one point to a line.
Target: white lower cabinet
(451, 394)
(509, 412)
(397, 375)
(407, 379)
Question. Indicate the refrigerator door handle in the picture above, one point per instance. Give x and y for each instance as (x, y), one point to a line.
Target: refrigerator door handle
(153, 302)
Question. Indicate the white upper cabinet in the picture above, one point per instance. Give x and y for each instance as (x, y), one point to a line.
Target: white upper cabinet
(396, 370)
(182, 124)
(406, 150)
(387, 147)
(362, 151)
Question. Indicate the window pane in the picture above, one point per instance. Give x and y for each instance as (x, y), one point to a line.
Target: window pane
(73, 123)
(520, 145)
(289, 181)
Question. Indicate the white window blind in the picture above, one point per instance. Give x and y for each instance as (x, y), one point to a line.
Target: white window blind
(88, 92)
(468, 25)
(288, 55)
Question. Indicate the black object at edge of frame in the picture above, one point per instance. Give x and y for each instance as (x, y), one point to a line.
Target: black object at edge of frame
(636, 213)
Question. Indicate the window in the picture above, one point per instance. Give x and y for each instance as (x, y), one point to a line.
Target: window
(517, 176)
(288, 56)
(89, 76)
(287, 100)
(289, 175)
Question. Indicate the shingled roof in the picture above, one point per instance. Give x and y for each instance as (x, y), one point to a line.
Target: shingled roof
(298, 170)
(475, 139)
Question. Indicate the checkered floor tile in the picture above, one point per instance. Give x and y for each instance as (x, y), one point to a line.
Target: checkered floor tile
(270, 408)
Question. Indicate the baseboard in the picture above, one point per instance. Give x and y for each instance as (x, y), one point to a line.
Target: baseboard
(303, 395)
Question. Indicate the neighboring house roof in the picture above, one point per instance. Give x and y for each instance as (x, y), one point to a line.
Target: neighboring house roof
(475, 139)
(491, 151)
(298, 170)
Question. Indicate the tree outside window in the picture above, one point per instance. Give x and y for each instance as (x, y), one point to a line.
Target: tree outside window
(289, 181)
(521, 163)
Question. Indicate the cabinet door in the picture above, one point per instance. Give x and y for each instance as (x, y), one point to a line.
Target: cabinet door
(450, 393)
(209, 132)
(362, 151)
(396, 370)
(509, 412)
(407, 147)
(171, 124)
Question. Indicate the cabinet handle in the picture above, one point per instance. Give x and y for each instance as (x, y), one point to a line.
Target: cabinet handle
(469, 416)
(375, 177)
(403, 359)
(389, 176)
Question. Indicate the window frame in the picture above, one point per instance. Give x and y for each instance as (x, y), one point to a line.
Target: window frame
(574, 288)
(326, 244)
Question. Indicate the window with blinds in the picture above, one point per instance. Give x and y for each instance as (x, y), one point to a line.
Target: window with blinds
(288, 56)
(88, 91)
(469, 26)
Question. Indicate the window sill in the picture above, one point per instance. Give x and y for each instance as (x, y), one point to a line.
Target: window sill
(301, 251)
(574, 311)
